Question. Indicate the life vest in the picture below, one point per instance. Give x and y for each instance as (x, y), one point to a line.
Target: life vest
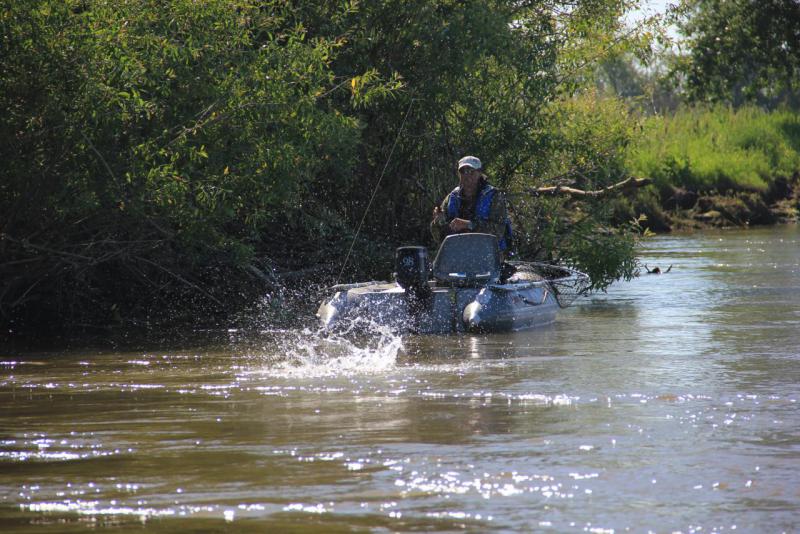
(482, 208)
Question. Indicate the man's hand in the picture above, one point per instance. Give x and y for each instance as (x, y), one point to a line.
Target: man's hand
(437, 214)
(459, 225)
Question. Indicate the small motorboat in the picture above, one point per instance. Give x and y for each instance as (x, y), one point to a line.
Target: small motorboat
(467, 289)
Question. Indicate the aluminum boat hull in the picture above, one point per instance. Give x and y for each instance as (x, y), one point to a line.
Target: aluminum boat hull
(511, 306)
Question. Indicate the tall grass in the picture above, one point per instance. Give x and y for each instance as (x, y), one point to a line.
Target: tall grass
(717, 148)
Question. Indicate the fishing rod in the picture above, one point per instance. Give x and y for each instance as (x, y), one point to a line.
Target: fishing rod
(374, 191)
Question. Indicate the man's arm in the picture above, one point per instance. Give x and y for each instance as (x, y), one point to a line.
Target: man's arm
(439, 229)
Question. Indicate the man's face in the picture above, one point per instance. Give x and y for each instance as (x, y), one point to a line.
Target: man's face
(468, 177)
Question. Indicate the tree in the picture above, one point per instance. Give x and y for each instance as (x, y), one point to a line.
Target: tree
(147, 143)
(741, 51)
(495, 78)
(164, 150)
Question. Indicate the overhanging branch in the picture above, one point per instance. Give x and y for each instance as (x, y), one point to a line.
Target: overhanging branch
(628, 184)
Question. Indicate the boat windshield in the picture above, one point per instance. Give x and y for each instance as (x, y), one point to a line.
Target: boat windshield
(467, 256)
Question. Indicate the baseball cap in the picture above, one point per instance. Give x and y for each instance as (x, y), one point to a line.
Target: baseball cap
(469, 161)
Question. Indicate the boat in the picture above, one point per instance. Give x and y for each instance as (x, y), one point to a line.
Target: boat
(467, 288)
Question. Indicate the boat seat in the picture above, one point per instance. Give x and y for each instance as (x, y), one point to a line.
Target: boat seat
(467, 260)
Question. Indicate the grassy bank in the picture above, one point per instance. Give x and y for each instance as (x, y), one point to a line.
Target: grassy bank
(720, 166)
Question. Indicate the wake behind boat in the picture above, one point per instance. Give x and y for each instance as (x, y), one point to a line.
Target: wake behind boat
(467, 288)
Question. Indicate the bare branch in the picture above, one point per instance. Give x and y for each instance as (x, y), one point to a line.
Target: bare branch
(625, 185)
(181, 279)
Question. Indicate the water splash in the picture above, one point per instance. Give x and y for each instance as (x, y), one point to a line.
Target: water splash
(281, 338)
(364, 347)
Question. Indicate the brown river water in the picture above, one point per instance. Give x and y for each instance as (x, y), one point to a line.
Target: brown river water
(669, 403)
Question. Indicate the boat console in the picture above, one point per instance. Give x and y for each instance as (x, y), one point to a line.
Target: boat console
(466, 260)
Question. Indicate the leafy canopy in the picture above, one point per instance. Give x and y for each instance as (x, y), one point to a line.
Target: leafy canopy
(741, 51)
(150, 144)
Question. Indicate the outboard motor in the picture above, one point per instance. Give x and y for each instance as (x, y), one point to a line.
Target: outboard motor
(411, 268)
(412, 272)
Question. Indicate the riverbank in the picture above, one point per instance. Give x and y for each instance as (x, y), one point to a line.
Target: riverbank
(715, 166)
(687, 210)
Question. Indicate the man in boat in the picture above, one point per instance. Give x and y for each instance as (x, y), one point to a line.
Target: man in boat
(473, 206)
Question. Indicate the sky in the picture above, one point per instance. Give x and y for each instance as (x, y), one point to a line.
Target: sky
(652, 7)
(648, 9)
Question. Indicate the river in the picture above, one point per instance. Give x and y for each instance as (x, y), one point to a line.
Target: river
(669, 403)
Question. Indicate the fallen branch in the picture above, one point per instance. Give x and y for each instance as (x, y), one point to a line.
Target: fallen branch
(558, 190)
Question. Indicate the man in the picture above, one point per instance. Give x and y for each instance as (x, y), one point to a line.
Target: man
(473, 206)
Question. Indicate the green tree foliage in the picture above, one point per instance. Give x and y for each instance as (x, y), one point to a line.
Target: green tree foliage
(590, 135)
(154, 150)
(741, 51)
(586, 137)
(146, 139)
(497, 79)
(472, 82)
